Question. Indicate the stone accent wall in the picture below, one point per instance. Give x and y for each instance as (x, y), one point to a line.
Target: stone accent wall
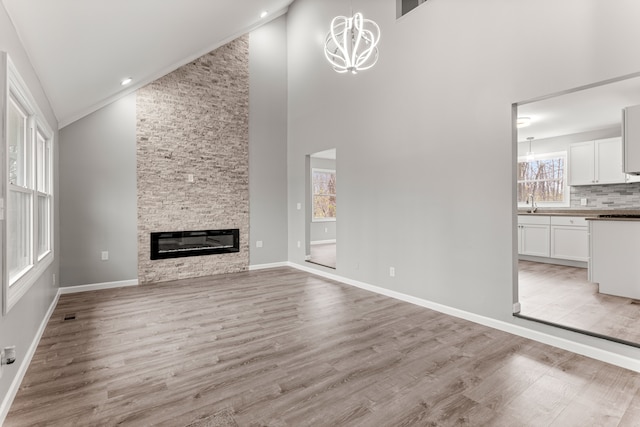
(613, 196)
(195, 120)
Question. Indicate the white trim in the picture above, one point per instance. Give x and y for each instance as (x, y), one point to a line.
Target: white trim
(266, 266)
(322, 242)
(563, 343)
(5, 405)
(13, 86)
(333, 219)
(97, 286)
(22, 285)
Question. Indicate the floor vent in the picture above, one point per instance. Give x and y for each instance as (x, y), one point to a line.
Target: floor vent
(69, 317)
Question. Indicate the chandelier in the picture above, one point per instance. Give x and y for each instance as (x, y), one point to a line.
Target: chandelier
(352, 44)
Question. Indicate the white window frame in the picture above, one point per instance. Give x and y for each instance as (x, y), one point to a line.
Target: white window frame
(566, 189)
(12, 85)
(313, 218)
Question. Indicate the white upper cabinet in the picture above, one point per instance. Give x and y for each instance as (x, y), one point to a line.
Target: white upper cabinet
(582, 163)
(631, 138)
(609, 161)
(596, 162)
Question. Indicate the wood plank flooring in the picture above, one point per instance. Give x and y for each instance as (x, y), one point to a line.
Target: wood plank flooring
(282, 347)
(562, 295)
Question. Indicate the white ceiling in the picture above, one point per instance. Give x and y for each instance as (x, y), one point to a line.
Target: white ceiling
(593, 108)
(82, 49)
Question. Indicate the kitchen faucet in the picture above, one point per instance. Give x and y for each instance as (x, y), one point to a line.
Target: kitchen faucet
(530, 200)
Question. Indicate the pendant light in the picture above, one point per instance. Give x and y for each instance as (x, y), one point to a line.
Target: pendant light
(530, 154)
(352, 43)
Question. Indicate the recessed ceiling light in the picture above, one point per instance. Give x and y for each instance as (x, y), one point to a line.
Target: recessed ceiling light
(264, 13)
(523, 122)
(126, 81)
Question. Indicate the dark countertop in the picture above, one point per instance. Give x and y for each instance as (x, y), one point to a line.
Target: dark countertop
(589, 214)
(613, 219)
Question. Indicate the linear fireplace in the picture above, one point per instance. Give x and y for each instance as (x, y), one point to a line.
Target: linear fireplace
(175, 244)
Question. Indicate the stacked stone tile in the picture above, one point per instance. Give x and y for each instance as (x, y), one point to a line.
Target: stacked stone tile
(195, 120)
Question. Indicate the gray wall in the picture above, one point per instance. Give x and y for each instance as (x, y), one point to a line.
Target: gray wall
(20, 325)
(425, 138)
(108, 137)
(98, 196)
(268, 142)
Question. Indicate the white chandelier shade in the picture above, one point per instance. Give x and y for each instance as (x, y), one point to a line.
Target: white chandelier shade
(352, 44)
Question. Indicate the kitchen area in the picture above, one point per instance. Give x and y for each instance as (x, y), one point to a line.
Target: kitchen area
(578, 212)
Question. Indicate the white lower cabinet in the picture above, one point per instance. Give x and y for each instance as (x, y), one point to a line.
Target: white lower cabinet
(615, 257)
(569, 238)
(533, 235)
(559, 237)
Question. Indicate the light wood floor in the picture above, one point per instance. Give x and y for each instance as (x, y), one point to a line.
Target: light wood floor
(284, 348)
(562, 295)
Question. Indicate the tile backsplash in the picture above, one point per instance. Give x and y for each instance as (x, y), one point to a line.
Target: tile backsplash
(614, 196)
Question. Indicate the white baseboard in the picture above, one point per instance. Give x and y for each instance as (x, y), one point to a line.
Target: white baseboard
(97, 286)
(5, 405)
(322, 242)
(266, 266)
(563, 343)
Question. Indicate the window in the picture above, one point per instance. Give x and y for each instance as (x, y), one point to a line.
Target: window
(323, 182)
(544, 177)
(29, 197)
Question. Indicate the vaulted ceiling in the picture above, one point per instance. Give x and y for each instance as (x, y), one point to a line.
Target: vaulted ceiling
(83, 49)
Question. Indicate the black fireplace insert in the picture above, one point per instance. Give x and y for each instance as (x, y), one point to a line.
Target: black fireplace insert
(176, 244)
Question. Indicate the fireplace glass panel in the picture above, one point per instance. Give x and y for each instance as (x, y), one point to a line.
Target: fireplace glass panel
(194, 243)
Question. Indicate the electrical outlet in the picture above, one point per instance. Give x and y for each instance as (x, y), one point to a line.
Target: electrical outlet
(299, 244)
(259, 244)
(299, 206)
(392, 272)
(105, 255)
(583, 202)
(190, 177)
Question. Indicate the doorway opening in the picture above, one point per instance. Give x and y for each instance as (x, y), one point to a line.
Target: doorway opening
(321, 221)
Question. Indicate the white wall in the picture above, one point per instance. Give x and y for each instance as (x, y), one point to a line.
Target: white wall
(425, 139)
(19, 327)
(562, 142)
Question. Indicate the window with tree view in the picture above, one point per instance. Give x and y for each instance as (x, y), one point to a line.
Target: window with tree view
(543, 177)
(323, 182)
(27, 250)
